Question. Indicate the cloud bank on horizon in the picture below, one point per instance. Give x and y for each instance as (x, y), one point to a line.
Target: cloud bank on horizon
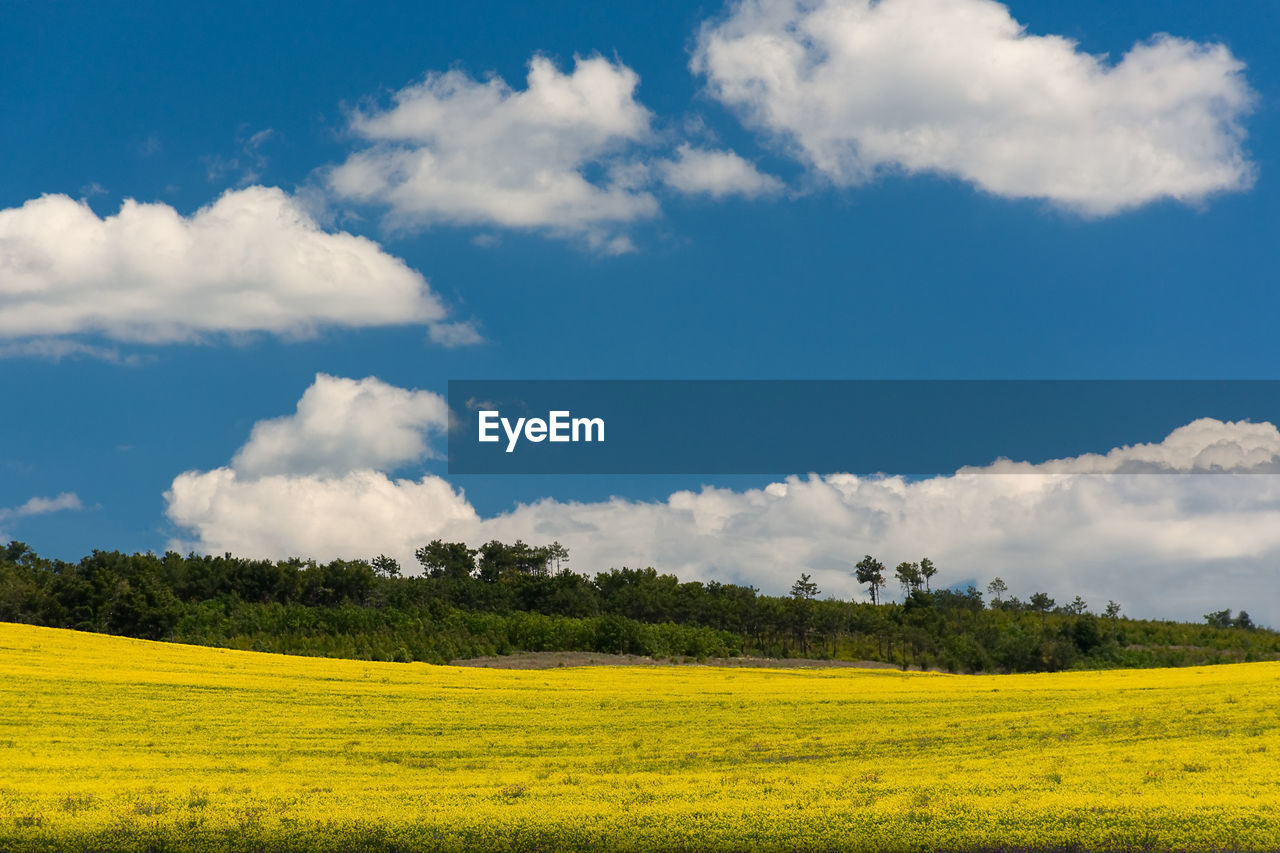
(1089, 525)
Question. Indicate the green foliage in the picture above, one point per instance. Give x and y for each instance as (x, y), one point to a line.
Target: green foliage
(870, 571)
(500, 599)
(804, 588)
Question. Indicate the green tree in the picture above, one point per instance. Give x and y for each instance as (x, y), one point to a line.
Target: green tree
(927, 571)
(1113, 613)
(1041, 603)
(497, 559)
(870, 571)
(447, 559)
(996, 590)
(385, 567)
(1219, 618)
(803, 592)
(804, 588)
(557, 555)
(908, 574)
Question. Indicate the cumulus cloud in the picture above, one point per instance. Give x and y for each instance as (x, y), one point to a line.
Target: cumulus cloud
(958, 87)
(343, 425)
(457, 150)
(698, 171)
(1202, 446)
(253, 261)
(357, 514)
(1174, 544)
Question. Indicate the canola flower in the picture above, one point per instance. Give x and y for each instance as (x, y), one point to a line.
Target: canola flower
(109, 743)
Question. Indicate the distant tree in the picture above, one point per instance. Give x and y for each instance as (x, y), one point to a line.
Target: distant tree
(1242, 620)
(557, 554)
(385, 567)
(996, 590)
(1113, 613)
(1041, 603)
(447, 559)
(951, 600)
(1077, 606)
(908, 574)
(15, 551)
(531, 560)
(870, 571)
(804, 588)
(1219, 618)
(803, 592)
(497, 559)
(927, 571)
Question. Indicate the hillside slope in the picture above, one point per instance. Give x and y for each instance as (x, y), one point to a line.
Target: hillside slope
(113, 743)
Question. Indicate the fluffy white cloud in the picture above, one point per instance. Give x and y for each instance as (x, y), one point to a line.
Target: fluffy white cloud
(453, 149)
(343, 425)
(42, 506)
(957, 87)
(253, 261)
(1172, 544)
(698, 171)
(356, 515)
(1202, 446)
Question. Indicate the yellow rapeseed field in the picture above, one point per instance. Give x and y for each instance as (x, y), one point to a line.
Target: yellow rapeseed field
(116, 744)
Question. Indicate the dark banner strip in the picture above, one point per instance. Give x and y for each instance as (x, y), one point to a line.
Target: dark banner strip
(821, 426)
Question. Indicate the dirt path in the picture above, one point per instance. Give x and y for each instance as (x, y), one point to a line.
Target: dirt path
(551, 660)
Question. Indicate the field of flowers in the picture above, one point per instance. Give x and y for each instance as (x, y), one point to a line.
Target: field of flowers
(116, 744)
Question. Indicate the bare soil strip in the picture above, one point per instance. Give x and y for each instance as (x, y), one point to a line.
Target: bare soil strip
(551, 660)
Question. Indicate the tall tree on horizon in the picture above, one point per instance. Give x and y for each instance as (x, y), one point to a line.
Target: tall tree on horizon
(870, 571)
(908, 574)
(927, 571)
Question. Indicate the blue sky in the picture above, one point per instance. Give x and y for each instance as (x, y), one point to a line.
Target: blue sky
(828, 253)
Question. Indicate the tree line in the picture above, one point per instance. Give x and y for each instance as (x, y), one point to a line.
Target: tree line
(501, 598)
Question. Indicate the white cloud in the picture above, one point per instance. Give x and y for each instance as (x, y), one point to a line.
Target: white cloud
(1202, 446)
(42, 506)
(56, 349)
(452, 335)
(957, 87)
(39, 506)
(718, 174)
(355, 515)
(343, 425)
(1173, 544)
(253, 261)
(456, 150)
